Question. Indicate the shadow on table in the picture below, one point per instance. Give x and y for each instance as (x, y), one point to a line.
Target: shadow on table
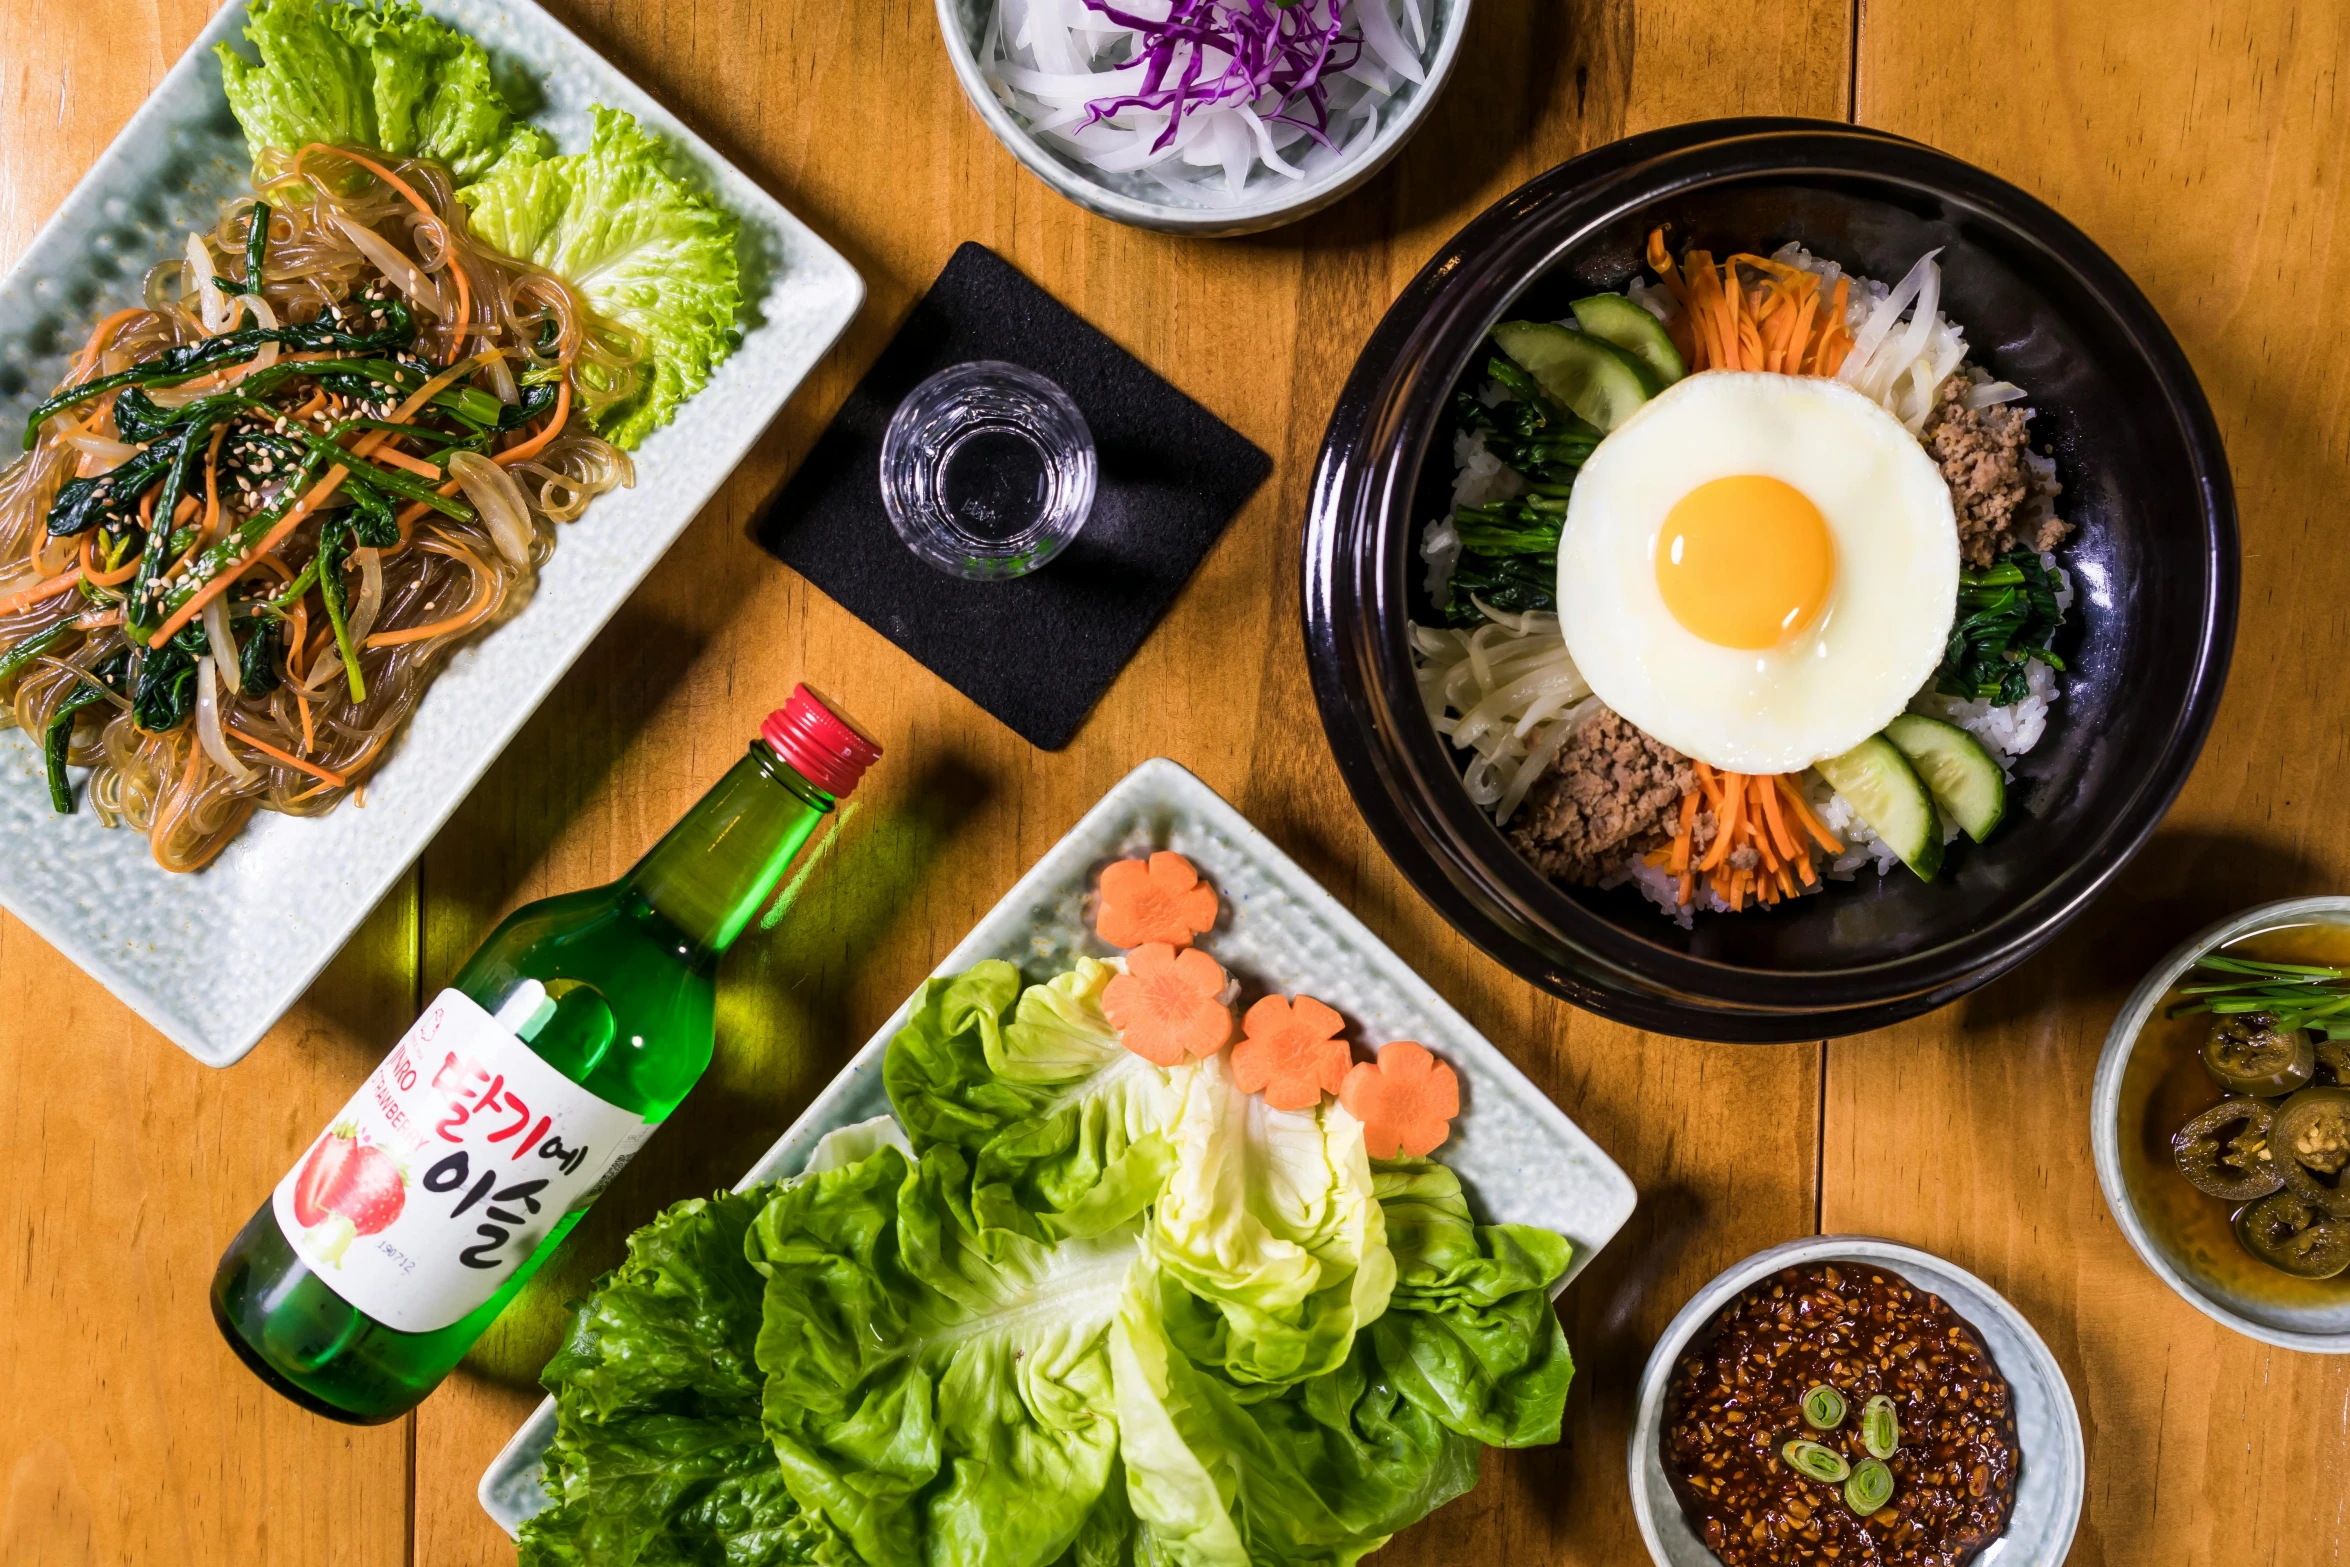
(788, 1021)
(2181, 883)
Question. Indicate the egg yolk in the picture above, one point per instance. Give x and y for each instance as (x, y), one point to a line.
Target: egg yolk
(1745, 562)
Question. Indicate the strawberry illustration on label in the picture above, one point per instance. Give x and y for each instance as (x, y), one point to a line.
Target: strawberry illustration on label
(347, 1189)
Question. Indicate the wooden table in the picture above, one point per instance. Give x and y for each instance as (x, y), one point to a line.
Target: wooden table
(2202, 144)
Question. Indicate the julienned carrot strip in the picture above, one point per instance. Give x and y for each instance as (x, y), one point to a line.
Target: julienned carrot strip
(41, 590)
(1726, 820)
(293, 519)
(538, 443)
(387, 453)
(309, 738)
(1756, 787)
(1778, 824)
(100, 336)
(103, 579)
(211, 487)
(271, 751)
(1682, 840)
(1802, 808)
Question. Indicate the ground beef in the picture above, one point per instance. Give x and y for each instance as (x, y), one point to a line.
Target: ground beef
(1611, 791)
(1981, 453)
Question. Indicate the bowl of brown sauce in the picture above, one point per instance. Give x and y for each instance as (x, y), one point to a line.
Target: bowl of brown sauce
(1851, 1400)
(2221, 1122)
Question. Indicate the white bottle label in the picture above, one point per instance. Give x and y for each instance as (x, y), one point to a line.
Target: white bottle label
(448, 1168)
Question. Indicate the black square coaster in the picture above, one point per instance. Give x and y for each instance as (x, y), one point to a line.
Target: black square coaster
(1038, 651)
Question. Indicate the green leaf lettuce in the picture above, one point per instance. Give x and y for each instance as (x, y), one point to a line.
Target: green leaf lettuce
(659, 1456)
(382, 76)
(647, 252)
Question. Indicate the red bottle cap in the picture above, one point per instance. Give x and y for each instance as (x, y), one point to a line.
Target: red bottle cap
(829, 751)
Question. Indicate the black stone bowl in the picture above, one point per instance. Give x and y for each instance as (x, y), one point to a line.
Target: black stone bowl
(2154, 561)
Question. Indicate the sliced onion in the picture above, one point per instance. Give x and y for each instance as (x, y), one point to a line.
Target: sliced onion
(371, 595)
(208, 732)
(263, 315)
(403, 273)
(99, 446)
(219, 311)
(502, 381)
(1386, 40)
(223, 643)
(499, 500)
(53, 553)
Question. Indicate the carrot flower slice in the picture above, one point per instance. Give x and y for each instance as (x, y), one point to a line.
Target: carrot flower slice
(1406, 1101)
(1292, 1053)
(1164, 1005)
(1159, 899)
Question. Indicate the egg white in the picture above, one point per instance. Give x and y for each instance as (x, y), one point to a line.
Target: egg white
(1881, 632)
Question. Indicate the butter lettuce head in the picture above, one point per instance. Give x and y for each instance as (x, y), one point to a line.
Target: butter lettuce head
(647, 252)
(937, 1391)
(659, 1455)
(384, 76)
(1268, 1237)
(1063, 1125)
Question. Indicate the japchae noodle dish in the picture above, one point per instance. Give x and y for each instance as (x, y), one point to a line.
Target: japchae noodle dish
(334, 439)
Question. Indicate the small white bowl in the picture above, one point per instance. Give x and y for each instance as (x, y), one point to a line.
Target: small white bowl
(2317, 1330)
(2052, 1475)
(1267, 200)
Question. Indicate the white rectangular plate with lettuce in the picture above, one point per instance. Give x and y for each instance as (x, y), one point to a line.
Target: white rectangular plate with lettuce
(1520, 1159)
(213, 959)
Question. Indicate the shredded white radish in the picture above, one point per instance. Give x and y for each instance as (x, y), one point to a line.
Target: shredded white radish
(208, 731)
(1903, 346)
(223, 642)
(494, 494)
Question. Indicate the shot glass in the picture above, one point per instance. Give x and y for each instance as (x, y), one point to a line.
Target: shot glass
(987, 470)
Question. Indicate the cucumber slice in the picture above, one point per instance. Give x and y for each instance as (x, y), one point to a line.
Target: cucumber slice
(1616, 319)
(1880, 784)
(1961, 775)
(1596, 379)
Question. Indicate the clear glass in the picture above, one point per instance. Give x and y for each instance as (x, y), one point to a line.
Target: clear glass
(987, 470)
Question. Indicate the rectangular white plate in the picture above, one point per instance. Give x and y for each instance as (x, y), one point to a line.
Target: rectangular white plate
(215, 958)
(1519, 1156)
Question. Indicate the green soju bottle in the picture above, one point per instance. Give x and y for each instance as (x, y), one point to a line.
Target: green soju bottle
(566, 1040)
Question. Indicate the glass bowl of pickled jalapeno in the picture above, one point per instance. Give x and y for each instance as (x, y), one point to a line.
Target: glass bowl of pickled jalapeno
(2221, 1122)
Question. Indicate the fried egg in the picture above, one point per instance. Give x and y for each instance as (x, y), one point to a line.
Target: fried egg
(1758, 570)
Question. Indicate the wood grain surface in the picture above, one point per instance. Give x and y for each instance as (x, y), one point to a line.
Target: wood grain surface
(2201, 144)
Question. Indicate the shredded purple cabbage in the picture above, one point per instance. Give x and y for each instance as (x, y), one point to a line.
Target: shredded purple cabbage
(1272, 48)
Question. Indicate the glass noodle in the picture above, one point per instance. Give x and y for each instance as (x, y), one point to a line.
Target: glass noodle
(343, 228)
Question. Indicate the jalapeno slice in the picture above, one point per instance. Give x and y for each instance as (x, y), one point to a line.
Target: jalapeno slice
(2309, 1142)
(2288, 1235)
(2333, 1059)
(2234, 1168)
(2248, 1054)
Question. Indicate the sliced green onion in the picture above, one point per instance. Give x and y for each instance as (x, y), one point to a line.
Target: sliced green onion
(1870, 1487)
(1823, 1408)
(1880, 1428)
(1817, 1462)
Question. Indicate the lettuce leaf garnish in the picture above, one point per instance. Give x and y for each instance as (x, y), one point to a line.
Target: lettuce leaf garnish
(1083, 1312)
(659, 1455)
(1061, 1122)
(371, 75)
(936, 1391)
(646, 251)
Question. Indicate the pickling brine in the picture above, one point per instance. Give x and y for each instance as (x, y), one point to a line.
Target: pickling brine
(565, 1041)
